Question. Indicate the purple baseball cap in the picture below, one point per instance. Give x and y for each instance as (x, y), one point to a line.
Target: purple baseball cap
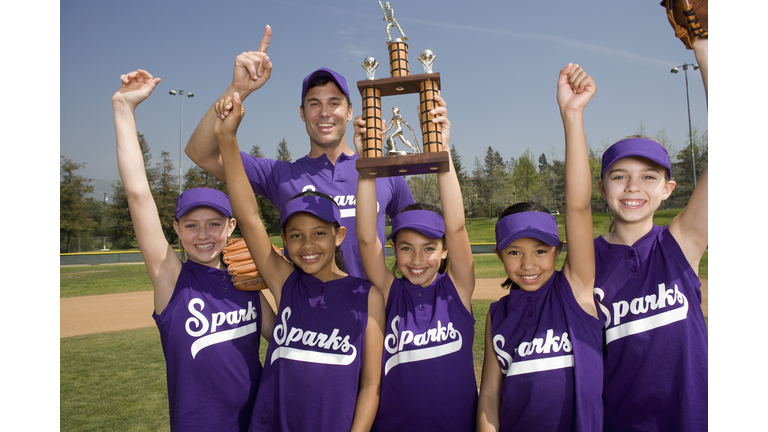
(323, 73)
(323, 208)
(426, 222)
(642, 147)
(203, 197)
(539, 225)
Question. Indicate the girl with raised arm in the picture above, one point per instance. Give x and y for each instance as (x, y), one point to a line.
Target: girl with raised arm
(323, 363)
(210, 331)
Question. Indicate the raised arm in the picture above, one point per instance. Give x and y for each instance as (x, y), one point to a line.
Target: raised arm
(691, 227)
(574, 90)
(489, 400)
(252, 70)
(163, 265)
(272, 267)
(371, 249)
(462, 268)
(369, 393)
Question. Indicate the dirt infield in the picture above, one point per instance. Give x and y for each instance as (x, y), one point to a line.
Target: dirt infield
(105, 313)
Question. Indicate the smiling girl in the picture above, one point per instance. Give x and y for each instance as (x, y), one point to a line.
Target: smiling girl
(656, 343)
(323, 363)
(212, 358)
(428, 378)
(543, 368)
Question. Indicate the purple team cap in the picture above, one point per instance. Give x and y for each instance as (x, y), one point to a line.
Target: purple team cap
(323, 73)
(539, 225)
(641, 147)
(426, 222)
(203, 197)
(321, 207)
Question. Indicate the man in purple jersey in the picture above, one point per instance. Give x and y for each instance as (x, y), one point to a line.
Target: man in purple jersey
(330, 165)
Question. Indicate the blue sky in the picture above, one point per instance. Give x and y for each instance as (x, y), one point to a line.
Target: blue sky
(498, 63)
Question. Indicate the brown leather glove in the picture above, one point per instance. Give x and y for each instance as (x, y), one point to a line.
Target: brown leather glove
(689, 19)
(245, 275)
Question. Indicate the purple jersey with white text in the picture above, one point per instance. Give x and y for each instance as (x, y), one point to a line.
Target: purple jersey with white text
(428, 375)
(313, 364)
(210, 333)
(549, 352)
(655, 337)
(280, 181)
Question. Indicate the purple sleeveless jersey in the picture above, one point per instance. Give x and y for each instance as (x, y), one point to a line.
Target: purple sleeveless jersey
(210, 333)
(428, 375)
(656, 337)
(549, 351)
(280, 181)
(314, 360)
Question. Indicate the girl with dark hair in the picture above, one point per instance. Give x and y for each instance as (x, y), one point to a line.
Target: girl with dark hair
(543, 365)
(323, 363)
(429, 323)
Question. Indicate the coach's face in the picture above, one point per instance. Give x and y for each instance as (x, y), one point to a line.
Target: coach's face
(325, 115)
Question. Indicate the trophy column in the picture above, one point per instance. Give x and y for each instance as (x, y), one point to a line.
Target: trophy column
(372, 140)
(432, 133)
(398, 59)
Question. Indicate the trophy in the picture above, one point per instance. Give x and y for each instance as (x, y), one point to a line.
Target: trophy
(374, 161)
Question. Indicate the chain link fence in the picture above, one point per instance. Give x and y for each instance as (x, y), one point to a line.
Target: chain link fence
(85, 244)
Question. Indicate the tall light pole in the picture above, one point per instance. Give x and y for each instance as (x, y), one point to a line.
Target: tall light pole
(181, 93)
(181, 126)
(687, 99)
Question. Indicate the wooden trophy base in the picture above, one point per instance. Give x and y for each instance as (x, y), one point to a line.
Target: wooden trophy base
(412, 164)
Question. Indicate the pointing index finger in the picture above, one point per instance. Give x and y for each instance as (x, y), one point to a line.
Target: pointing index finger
(264, 44)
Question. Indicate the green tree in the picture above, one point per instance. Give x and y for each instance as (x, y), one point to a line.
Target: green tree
(256, 151)
(165, 193)
(682, 166)
(467, 187)
(479, 180)
(196, 177)
(495, 189)
(525, 179)
(543, 164)
(461, 173)
(74, 220)
(595, 165)
(268, 213)
(120, 226)
(282, 151)
(424, 189)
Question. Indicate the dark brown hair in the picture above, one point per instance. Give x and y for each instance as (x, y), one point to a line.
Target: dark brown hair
(338, 254)
(519, 208)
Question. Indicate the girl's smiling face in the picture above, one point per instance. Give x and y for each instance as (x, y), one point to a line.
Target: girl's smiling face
(634, 188)
(203, 232)
(529, 262)
(311, 243)
(417, 256)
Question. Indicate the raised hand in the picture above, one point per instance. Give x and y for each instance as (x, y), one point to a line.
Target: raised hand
(442, 117)
(252, 70)
(574, 88)
(136, 86)
(227, 128)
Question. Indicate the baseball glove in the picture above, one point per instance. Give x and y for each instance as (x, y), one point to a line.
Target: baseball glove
(245, 275)
(689, 19)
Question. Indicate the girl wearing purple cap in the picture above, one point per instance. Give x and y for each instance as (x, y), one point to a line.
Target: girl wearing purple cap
(323, 363)
(648, 287)
(210, 331)
(428, 377)
(542, 369)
